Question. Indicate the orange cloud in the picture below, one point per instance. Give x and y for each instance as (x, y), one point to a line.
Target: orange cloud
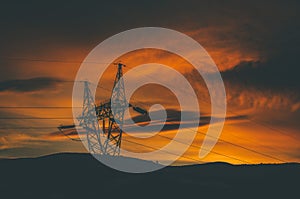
(223, 47)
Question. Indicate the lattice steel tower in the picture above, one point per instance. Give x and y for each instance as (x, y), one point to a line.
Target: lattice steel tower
(88, 121)
(111, 115)
(103, 123)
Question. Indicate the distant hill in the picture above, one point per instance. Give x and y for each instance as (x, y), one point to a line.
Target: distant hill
(82, 176)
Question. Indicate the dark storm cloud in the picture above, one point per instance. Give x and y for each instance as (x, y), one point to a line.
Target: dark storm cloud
(173, 120)
(269, 28)
(29, 85)
(38, 23)
(278, 76)
(270, 85)
(278, 43)
(32, 28)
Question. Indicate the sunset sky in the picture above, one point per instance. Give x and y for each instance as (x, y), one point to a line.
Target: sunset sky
(255, 46)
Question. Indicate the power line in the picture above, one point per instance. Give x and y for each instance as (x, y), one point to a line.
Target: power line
(266, 155)
(249, 119)
(187, 157)
(240, 146)
(225, 141)
(230, 157)
(233, 144)
(37, 107)
(2, 128)
(32, 127)
(251, 150)
(168, 152)
(64, 61)
(36, 118)
(236, 145)
(50, 60)
(205, 134)
(248, 149)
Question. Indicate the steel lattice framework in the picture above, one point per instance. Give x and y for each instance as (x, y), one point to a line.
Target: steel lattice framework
(88, 121)
(103, 123)
(111, 115)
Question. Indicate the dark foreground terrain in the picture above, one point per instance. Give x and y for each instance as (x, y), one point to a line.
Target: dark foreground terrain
(81, 176)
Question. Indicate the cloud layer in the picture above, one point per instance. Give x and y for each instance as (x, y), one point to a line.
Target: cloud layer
(29, 85)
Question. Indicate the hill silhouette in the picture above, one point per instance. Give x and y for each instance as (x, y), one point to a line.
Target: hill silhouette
(82, 176)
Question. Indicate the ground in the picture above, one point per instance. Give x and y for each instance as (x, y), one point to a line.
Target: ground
(81, 176)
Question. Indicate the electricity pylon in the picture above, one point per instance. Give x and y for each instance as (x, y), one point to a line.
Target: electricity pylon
(107, 117)
(89, 122)
(111, 115)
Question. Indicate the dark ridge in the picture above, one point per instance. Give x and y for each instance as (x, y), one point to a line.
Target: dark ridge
(70, 175)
